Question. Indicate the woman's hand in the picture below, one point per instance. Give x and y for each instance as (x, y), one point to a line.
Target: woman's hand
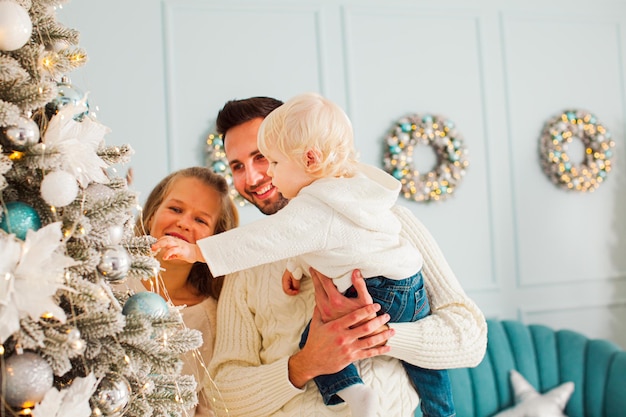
(331, 303)
(333, 345)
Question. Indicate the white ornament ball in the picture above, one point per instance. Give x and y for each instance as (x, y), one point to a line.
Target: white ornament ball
(15, 26)
(115, 234)
(59, 188)
(27, 378)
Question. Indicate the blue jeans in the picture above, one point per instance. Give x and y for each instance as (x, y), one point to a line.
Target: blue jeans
(405, 301)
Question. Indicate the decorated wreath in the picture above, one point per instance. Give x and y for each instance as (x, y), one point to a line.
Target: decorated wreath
(404, 139)
(558, 133)
(216, 160)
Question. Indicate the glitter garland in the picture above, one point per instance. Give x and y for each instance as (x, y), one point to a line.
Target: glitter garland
(556, 136)
(439, 133)
(216, 160)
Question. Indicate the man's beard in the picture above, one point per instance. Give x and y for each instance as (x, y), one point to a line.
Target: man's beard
(272, 208)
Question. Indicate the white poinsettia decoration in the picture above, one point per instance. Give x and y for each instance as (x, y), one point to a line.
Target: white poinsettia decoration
(5, 166)
(70, 402)
(78, 142)
(31, 272)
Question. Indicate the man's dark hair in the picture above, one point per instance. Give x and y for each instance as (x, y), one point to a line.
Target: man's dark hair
(236, 112)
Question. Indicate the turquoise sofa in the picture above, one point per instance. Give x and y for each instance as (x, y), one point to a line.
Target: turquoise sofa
(546, 358)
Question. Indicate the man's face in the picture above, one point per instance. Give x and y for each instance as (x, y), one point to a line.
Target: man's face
(249, 168)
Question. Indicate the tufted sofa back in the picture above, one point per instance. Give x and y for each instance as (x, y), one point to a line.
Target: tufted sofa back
(546, 358)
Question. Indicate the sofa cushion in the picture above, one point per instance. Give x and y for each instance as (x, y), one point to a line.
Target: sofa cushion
(530, 403)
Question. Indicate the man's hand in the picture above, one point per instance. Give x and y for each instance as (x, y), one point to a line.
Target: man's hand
(170, 248)
(331, 303)
(334, 345)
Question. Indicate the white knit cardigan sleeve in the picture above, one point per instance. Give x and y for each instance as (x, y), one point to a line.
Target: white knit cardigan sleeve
(455, 334)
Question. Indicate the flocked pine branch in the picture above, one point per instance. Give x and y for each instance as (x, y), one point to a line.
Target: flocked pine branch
(65, 216)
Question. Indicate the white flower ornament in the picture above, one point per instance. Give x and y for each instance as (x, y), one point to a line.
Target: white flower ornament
(78, 143)
(71, 402)
(31, 272)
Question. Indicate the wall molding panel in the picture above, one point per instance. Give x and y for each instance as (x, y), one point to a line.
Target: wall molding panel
(520, 246)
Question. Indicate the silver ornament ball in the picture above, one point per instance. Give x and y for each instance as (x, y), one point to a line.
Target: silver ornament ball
(20, 136)
(114, 263)
(26, 378)
(112, 395)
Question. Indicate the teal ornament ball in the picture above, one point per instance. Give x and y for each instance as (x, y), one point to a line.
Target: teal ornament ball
(67, 94)
(219, 167)
(18, 218)
(146, 302)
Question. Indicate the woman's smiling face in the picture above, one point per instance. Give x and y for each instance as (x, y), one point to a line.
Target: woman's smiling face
(189, 211)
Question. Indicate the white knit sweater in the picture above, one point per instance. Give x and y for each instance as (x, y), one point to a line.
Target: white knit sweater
(259, 327)
(334, 225)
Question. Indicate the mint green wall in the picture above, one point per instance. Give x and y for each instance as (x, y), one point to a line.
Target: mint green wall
(160, 70)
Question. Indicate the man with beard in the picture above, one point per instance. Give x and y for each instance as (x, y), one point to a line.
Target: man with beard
(258, 367)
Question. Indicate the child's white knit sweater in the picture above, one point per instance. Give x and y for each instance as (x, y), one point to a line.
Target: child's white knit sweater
(259, 327)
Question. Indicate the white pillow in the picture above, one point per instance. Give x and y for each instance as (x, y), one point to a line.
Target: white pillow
(530, 403)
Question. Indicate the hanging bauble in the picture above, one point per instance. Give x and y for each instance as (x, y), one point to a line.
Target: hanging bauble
(96, 191)
(216, 160)
(146, 302)
(25, 379)
(74, 340)
(59, 188)
(115, 234)
(20, 136)
(18, 218)
(114, 263)
(67, 94)
(112, 396)
(15, 26)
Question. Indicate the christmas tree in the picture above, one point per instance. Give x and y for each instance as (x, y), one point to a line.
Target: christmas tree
(69, 344)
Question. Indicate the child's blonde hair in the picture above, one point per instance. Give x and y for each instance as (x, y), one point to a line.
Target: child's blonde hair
(311, 123)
